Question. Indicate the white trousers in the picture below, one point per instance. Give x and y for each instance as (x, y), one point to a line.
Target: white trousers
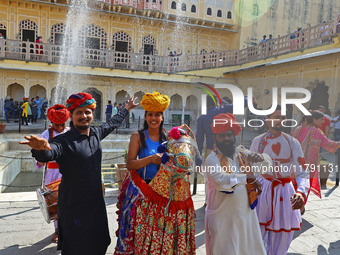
(276, 243)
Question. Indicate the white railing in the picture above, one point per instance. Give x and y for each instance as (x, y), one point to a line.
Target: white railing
(305, 38)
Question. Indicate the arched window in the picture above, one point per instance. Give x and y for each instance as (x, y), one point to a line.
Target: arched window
(57, 33)
(121, 42)
(173, 5)
(193, 8)
(219, 13)
(94, 37)
(209, 11)
(272, 12)
(3, 30)
(255, 10)
(28, 30)
(229, 15)
(184, 7)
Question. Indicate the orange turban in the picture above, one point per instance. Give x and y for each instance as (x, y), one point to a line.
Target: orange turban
(224, 122)
(155, 102)
(58, 114)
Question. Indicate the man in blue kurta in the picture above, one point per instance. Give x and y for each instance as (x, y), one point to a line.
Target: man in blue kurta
(82, 219)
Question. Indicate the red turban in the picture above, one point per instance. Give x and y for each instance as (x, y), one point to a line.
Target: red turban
(58, 114)
(224, 122)
(80, 100)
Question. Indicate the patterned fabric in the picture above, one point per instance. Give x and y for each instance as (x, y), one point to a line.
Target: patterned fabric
(80, 100)
(58, 114)
(159, 217)
(243, 162)
(155, 102)
(311, 139)
(224, 122)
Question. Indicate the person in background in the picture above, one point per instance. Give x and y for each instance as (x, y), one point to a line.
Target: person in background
(41, 47)
(9, 106)
(325, 127)
(115, 109)
(58, 115)
(34, 111)
(24, 108)
(29, 113)
(38, 101)
(108, 110)
(336, 125)
(311, 140)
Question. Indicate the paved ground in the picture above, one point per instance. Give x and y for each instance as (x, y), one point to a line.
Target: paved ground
(23, 230)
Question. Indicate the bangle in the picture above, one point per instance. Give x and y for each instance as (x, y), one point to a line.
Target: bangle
(252, 181)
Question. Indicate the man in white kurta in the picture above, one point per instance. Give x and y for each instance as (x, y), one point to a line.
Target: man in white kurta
(58, 115)
(279, 214)
(231, 227)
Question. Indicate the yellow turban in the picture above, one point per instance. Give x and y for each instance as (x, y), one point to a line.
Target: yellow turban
(155, 102)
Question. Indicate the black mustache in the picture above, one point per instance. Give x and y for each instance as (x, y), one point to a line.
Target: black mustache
(84, 119)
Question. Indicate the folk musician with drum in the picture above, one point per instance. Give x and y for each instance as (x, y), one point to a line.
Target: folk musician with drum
(58, 115)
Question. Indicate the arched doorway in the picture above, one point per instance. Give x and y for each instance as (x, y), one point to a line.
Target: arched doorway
(139, 96)
(191, 108)
(121, 96)
(97, 95)
(16, 91)
(176, 104)
(37, 90)
(58, 95)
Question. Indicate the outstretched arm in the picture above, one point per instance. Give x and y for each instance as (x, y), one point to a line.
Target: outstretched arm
(42, 150)
(37, 143)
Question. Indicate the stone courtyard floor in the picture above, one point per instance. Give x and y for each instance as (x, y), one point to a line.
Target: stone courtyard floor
(23, 230)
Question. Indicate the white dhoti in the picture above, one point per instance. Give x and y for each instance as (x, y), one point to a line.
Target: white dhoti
(238, 233)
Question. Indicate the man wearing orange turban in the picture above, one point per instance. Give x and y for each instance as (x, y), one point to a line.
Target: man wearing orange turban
(232, 193)
(58, 115)
(82, 217)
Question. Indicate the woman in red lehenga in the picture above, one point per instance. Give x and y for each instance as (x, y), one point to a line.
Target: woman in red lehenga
(155, 211)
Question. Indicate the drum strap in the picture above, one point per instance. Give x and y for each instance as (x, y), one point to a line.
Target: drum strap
(50, 136)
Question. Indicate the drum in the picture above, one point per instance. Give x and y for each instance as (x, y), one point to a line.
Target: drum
(48, 200)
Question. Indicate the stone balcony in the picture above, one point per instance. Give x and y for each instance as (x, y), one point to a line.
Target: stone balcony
(316, 36)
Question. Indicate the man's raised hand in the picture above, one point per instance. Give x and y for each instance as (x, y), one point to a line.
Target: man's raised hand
(131, 103)
(37, 143)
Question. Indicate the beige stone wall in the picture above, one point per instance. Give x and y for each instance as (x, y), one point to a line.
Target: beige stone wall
(322, 72)
(278, 17)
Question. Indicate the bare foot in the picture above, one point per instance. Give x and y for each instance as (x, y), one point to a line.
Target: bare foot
(55, 238)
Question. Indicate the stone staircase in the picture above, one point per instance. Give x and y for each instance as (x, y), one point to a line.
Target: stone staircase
(17, 167)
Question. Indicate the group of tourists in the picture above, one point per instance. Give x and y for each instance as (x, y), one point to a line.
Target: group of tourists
(255, 196)
(29, 110)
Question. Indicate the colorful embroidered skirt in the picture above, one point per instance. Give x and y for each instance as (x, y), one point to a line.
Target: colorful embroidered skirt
(148, 224)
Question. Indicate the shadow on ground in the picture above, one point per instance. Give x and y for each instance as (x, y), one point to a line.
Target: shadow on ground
(39, 248)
